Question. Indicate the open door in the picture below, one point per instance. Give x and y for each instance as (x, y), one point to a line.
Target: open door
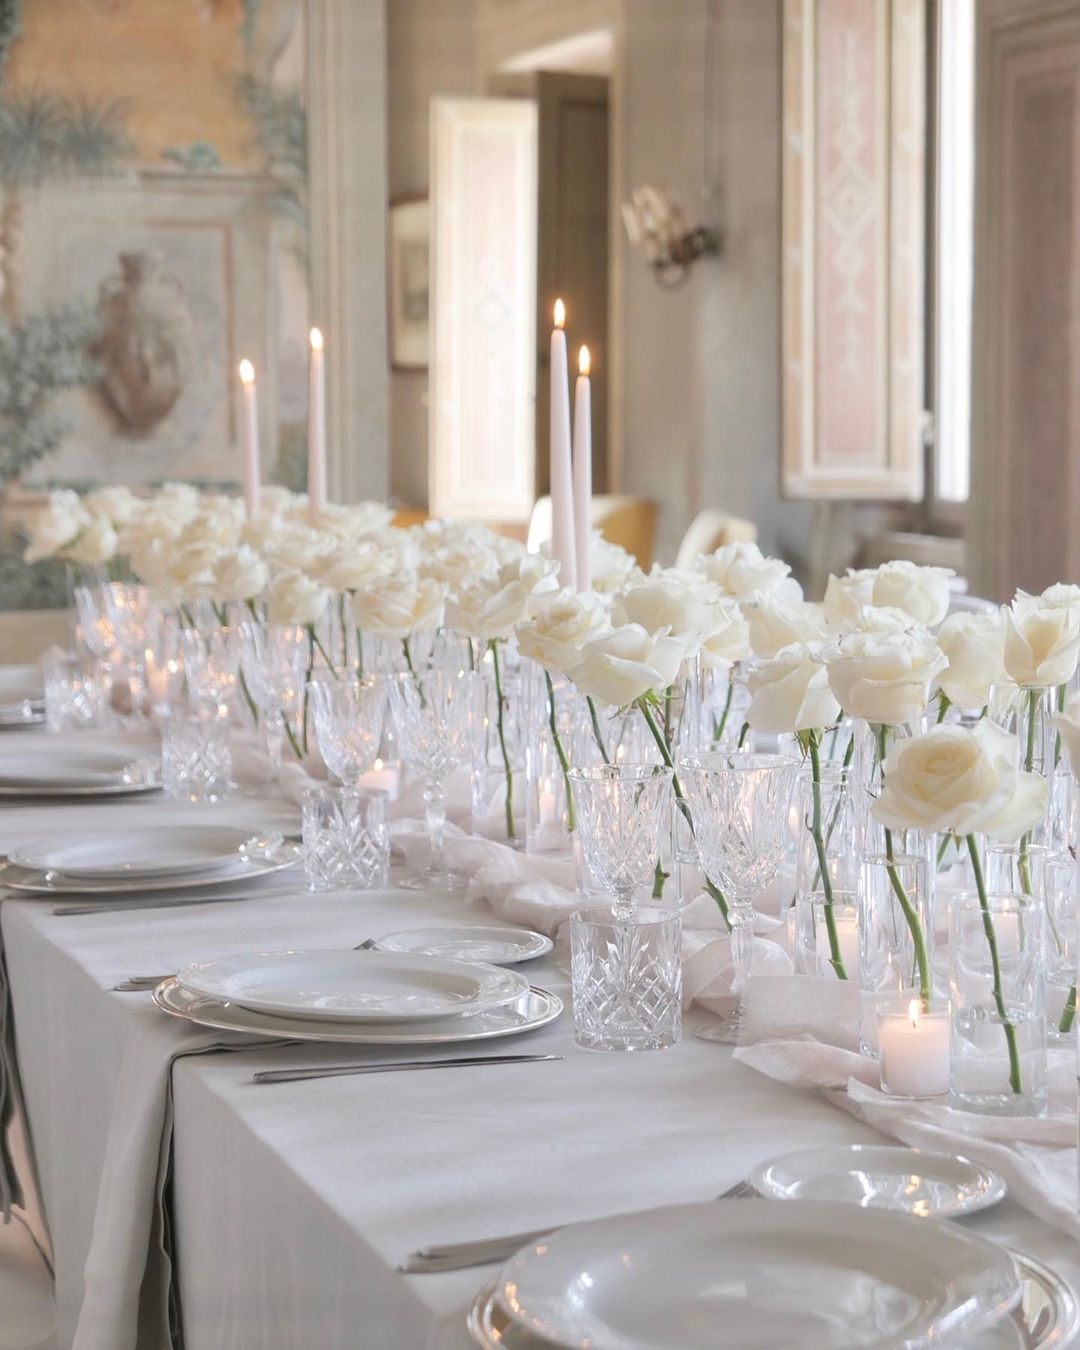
(1025, 394)
(572, 254)
(482, 446)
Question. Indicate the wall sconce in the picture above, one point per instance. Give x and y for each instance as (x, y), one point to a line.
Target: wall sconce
(654, 220)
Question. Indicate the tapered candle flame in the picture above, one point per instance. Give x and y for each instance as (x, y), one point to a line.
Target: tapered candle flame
(913, 1011)
(247, 372)
(560, 314)
(583, 361)
(316, 340)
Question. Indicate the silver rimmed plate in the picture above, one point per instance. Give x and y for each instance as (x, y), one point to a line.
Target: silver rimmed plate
(49, 765)
(275, 859)
(492, 945)
(536, 1009)
(907, 1180)
(730, 1274)
(1045, 1317)
(353, 986)
(153, 851)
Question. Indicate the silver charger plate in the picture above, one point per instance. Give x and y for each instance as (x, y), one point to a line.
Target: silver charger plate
(38, 793)
(24, 879)
(536, 1009)
(1047, 1316)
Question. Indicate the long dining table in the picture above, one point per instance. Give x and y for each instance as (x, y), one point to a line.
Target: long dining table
(292, 1204)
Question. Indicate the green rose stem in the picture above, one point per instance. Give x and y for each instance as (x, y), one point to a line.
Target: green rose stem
(743, 735)
(943, 706)
(1024, 863)
(564, 764)
(835, 958)
(359, 652)
(718, 727)
(407, 649)
(307, 682)
(494, 645)
(1068, 1016)
(1062, 690)
(594, 718)
(991, 942)
(911, 917)
(714, 890)
(223, 619)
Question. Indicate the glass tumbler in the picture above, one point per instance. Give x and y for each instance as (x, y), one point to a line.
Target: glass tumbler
(626, 978)
(76, 690)
(346, 838)
(196, 761)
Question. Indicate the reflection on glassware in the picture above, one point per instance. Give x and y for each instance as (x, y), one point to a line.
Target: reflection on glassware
(435, 713)
(349, 718)
(346, 839)
(626, 978)
(621, 808)
(196, 761)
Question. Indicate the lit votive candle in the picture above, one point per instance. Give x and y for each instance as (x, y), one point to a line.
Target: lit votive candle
(913, 1050)
(384, 777)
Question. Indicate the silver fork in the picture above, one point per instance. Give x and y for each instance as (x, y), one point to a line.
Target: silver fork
(136, 984)
(435, 1257)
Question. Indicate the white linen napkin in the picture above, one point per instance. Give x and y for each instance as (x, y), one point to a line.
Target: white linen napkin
(803, 1030)
(130, 1302)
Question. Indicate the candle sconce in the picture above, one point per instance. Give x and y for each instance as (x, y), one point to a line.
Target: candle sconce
(655, 222)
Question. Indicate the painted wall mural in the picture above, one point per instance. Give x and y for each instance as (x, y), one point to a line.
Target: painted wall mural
(153, 230)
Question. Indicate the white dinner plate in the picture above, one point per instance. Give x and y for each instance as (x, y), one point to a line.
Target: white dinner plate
(928, 1185)
(741, 1275)
(494, 946)
(353, 985)
(1045, 1317)
(35, 882)
(536, 1009)
(155, 850)
(56, 766)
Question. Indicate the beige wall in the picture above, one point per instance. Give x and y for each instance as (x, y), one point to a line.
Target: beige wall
(430, 51)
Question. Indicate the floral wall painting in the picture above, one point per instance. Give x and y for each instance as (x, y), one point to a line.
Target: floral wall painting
(153, 230)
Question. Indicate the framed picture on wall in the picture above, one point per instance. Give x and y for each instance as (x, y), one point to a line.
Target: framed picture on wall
(410, 233)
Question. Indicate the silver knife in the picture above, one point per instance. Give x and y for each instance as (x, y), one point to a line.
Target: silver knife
(393, 1066)
(111, 908)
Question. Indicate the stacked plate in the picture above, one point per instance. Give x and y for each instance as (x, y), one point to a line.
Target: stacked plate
(739, 1275)
(22, 700)
(52, 770)
(155, 858)
(360, 997)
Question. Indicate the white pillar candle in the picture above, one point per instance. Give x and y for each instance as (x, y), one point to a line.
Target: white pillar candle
(914, 1052)
(249, 434)
(316, 428)
(582, 472)
(847, 935)
(562, 486)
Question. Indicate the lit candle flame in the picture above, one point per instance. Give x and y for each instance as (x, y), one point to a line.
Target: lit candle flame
(913, 1011)
(560, 314)
(316, 340)
(247, 372)
(583, 361)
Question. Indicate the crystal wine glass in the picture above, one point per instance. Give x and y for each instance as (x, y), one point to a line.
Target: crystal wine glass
(435, 712)
(273, 660)
(349, 719)
(621, 808)
(212, 665)
(739, 806)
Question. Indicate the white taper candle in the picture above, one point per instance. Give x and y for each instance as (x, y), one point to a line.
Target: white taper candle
(249, 433)
(562, 486)
(316, 428)
(582, 472)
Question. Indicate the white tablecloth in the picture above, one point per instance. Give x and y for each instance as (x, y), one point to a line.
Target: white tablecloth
(294, 1202)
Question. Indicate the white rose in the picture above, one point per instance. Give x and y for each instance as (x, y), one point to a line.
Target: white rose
(1062, 595)
(560, 626)
(238, 576)
(295, 547)
(974, 645)
(685, 606)
(293, 598)
(729, 642)
(963, 780)
(398, 605)
(1041, 645)
(118, 505)
(488, 608)
(776, 623)
(610, 567)
(845, 596)
(190, 568)
(922, 592)
(1067, 725)
(883, 678)
(743, 571)
(94, 544)
(459, 561)
(55, 524)
(177, 499)
(220, 523)
(879, 619)
(618, 667)
(351, 566)
(790, 692)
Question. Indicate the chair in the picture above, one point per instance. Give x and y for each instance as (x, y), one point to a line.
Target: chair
(710, 530)
(629, 522)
